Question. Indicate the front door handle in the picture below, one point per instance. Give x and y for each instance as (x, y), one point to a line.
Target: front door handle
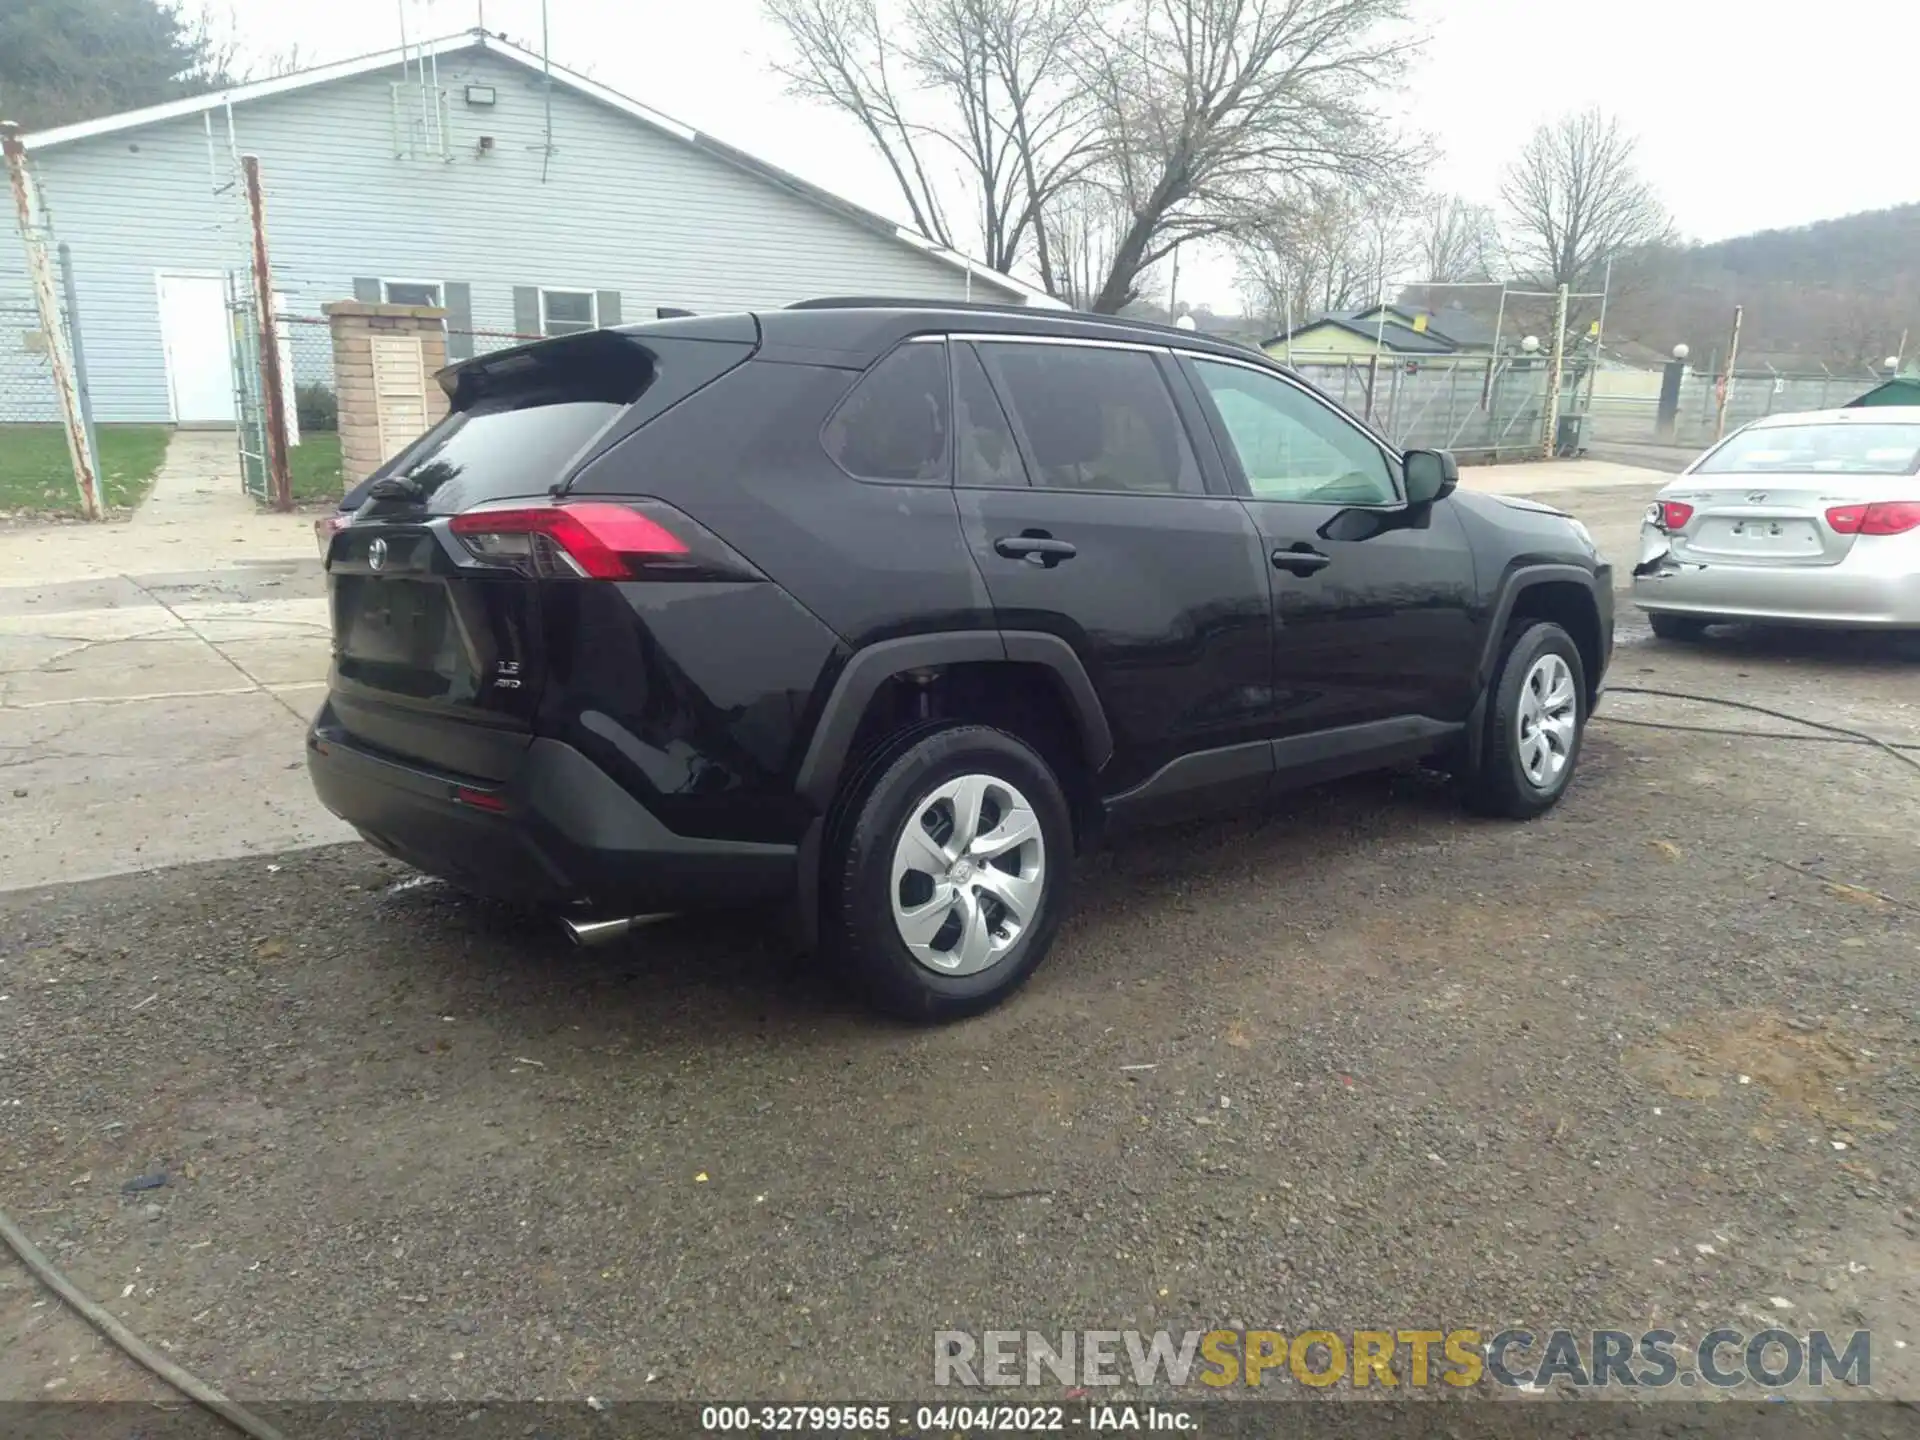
(1035, 549)
(1303, 559)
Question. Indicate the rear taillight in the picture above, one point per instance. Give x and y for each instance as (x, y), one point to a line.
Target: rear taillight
(585, 539)
(326, 527)
(1670, 514)
(1889, 517)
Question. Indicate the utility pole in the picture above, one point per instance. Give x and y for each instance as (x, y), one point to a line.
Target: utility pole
(86, 474)
(1726, 379)
(1549, 440)
(272, 382)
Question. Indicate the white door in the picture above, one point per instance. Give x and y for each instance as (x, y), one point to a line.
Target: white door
(196, 335)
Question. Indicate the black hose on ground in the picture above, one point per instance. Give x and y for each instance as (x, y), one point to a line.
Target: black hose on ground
(194, 1388)
(1857, 737)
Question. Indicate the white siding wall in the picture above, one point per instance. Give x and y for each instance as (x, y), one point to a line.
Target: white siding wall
(622, 207)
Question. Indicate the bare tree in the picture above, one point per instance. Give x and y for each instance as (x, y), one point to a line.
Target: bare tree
(1458, 242)
(1209, 108)
(1575, 200)
(843, 57)
(1085, 222)
(1335, 247)
(1004, 65)
(1188, 116)
(981, 85)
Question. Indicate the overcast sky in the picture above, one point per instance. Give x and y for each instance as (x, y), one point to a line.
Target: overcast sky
(1749, 116)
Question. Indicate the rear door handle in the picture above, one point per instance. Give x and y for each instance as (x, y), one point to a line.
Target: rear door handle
(1301, 560)
(1035, 549)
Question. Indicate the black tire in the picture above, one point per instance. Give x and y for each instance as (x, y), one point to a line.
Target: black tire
(1499, 784)
(1668, 626)
(857, 865)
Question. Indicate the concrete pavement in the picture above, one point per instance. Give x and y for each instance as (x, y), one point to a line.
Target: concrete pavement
(156, 676)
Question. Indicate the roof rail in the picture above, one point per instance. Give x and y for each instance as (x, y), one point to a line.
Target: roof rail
(985, 307)
(913, 302)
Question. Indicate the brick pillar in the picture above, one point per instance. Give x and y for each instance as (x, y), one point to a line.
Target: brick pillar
(355, 323)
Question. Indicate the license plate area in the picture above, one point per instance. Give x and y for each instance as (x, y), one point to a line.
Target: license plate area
(1760, 537)
(401, 636)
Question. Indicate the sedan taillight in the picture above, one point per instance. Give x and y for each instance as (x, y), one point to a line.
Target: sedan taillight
(1670, 514)
(1888, 517)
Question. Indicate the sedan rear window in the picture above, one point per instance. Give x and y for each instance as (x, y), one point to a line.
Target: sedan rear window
(1832, 449)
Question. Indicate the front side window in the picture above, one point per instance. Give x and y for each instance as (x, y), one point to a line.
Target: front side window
(566, 312)
(1291, 446)
(1095, 418)
(893, 424)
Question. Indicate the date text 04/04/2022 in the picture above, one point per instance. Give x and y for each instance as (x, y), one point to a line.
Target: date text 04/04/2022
(956, 1420)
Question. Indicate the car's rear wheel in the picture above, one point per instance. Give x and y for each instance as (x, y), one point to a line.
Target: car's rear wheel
(947, 875)
(1536, 715)
(1668, 626)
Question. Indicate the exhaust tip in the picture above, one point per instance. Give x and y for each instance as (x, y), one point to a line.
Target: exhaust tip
(600, 932)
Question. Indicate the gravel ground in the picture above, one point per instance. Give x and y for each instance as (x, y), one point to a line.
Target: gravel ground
(1407, 1068)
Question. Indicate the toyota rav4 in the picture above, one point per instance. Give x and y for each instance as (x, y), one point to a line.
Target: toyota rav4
(891, 609)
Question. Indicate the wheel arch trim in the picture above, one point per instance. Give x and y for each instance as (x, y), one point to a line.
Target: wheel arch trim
(870, 667)
(1513, 585)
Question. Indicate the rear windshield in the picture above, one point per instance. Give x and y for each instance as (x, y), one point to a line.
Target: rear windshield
(491, 452)
(1833, 449)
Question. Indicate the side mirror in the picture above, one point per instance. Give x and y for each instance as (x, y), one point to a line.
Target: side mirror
(1431, 475)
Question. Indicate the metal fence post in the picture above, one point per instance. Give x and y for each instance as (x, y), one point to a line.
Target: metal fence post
(86, 477)
(279, 468)
(1550, 420)
(1726, 382)
(65, 252)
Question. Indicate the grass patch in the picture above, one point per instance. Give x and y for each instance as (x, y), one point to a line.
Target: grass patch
(315, 464)
(36, 477)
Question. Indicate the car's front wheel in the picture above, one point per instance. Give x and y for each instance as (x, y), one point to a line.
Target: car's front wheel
(1536, 715)
(948, 873)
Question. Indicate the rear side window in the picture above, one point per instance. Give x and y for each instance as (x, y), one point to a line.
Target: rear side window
(1095, 418)
(985, 452)
(893, 426)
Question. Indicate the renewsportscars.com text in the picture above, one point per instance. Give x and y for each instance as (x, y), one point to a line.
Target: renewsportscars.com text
(1515, 1358)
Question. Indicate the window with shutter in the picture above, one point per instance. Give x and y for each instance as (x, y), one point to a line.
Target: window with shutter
(567, 312)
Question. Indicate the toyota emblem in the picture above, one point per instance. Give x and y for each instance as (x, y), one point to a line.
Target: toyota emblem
(377, 555)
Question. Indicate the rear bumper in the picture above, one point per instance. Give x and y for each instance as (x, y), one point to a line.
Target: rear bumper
(1858, 592)
(561, 832)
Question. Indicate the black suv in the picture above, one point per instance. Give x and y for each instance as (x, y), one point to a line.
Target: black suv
(891, 608)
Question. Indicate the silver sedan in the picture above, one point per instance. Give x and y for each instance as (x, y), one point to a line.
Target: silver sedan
(1809, 519)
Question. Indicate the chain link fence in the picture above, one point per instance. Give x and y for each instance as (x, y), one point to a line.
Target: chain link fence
(27, 394)
(1478, 407)
(1483, 409)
